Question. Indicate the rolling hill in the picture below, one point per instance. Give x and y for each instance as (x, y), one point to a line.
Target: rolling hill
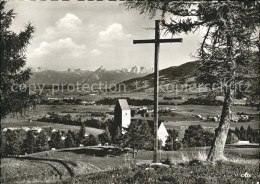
(186, 71)
(186, 74)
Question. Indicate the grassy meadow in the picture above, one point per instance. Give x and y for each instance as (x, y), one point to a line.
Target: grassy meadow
(76, 165)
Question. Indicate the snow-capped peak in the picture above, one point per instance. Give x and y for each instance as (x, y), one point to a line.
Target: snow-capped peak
(140, 70)
(39, 69)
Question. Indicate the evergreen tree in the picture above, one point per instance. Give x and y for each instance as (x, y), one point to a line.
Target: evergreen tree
(237, 132)
(13, 59)
(249, 131)
(117, 136)
(74, 137)
(138, 136)
(29, 144)
(147, 138)
(70, 141)
(42, 142)
(227, 49)
(14, 142)
(92, 140)
(56, 141)
(105, 137)
(242, 133)
(172, 133)
(231, 138)
(171, 142)
(82, 134)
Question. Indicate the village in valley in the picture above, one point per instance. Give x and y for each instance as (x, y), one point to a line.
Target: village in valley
(138, 124)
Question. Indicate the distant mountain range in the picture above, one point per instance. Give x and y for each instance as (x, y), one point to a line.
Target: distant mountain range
(134, 79)
(185, 74)
(187, 71)
(46, 76)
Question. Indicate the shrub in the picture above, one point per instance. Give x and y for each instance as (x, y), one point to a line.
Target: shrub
(177, 145)
(231, 138)
(196, 136)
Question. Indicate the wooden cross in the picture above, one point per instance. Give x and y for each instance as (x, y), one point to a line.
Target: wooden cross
(156, 42)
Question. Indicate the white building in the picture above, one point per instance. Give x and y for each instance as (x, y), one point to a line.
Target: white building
(122, 114)
(162, 133)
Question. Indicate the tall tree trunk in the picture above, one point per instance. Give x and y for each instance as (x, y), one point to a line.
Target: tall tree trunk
(133, 152)
(217, 148)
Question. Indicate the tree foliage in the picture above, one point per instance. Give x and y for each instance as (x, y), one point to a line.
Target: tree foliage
(231, 138)
(14, 100)
(70, 140)
(171, 142)
(91, 140)
(227, 50)
(29, 144)
(138, 136)
(82, 134)
(236, 20)
(42, 142)
(197, 136)
(14, 142)
(105, 137)
(56, 141)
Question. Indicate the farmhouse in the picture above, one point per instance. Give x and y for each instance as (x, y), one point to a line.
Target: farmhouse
(122, 115)
(162, 133)
(54, 99)
(164, 109)
(88, 102)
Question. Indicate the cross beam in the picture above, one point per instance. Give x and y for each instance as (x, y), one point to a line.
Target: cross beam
(160, 41)
(156, 42)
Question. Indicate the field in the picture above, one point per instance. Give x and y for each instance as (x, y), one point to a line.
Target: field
(184, 115)
(61, 127)
(42, 110)
(75, 165)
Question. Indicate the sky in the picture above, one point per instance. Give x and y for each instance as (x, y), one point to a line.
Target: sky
(88, 35)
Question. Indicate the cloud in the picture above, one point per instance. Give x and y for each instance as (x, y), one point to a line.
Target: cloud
(43, 48)
(95, 52)
(69, 24)
(69, 21)
(61, 47)
(113, 32)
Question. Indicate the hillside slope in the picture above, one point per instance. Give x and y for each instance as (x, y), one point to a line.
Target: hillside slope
(169, 75)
